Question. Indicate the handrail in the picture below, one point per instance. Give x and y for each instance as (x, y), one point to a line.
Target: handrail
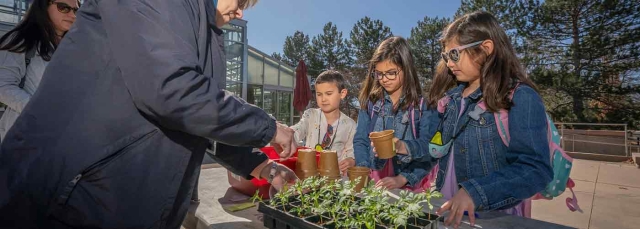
(590, 124)
(626, 139)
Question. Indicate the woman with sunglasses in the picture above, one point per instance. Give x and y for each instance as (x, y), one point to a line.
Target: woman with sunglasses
(26, 50)
(480, 74)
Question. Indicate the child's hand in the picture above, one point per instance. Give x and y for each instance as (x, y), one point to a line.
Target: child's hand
(392, 182)
(346, 163)
(457, 205)
(399, 146)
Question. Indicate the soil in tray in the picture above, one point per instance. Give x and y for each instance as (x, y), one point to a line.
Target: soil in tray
(316, 220)
(400, 227)
(419, 222)
(410, 224)
(430, 217)
(294, 205)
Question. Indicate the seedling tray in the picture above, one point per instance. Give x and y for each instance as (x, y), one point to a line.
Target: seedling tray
(276, 218)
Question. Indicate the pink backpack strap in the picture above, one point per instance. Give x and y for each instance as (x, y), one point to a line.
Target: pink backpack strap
(502, 118)
(413, 120)
(572, 202)
(442, 103)
(502, 122)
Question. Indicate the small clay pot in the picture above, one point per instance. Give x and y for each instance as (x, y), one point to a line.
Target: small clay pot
(383, 141)
(329, 164)
(306, 165)
(363, 173)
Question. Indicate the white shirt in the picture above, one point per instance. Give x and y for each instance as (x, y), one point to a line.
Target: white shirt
(313, 126)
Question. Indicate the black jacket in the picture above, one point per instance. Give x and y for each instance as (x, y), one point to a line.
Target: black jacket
(115, 135)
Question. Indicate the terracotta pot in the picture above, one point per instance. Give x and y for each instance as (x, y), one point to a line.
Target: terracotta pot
(383, 141)
(306, 165)
(329, 164)
(363, 173)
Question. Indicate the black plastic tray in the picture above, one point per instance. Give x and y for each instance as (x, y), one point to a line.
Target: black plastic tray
(277, 219)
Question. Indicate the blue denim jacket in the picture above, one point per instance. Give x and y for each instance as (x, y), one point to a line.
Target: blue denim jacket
(494, 175)
(413, 171)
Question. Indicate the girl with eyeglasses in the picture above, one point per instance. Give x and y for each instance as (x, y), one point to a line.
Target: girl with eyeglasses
(26, 50)
(391, 99)
(480, 74)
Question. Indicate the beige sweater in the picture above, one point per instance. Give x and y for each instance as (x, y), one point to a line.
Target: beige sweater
(313, 126)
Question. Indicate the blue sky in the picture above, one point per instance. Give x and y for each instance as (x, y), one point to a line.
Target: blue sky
(270, 21)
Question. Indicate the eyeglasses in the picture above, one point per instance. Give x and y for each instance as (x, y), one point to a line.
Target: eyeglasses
(64, 7)
(454, 53)
(390, 75)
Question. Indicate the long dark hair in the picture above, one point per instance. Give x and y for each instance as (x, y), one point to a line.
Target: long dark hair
(35, 31)
(499, 71)
(397, 51)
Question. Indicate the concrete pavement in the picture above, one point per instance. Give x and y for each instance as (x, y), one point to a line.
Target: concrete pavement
(608, 193)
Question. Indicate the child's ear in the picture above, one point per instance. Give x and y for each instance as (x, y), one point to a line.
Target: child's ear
(343, 93)
(487, 46)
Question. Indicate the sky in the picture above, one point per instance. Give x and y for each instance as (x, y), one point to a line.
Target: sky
(271, 21)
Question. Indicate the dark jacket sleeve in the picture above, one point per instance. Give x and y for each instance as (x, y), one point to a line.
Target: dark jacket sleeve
(239, 160)
(154, 44)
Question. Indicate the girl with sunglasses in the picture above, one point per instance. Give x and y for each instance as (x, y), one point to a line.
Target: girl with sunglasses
(391, 99)
(480, 74)
(26, 50)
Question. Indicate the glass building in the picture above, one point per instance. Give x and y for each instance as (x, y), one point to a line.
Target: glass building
(257, 77)
(11, 12)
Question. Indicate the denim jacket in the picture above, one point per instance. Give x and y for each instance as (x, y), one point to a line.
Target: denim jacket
(413, 171)
(496, 176)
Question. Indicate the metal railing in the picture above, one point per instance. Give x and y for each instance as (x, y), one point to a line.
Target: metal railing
(603, 135)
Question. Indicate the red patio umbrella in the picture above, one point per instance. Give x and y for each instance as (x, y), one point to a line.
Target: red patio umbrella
(302, 91)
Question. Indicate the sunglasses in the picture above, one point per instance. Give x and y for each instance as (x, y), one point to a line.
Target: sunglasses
(65, 8)
(391, 74)
(454, 53)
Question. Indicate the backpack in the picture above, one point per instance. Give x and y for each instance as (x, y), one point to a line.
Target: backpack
(27, 60)
(560, 161)
(387, 170)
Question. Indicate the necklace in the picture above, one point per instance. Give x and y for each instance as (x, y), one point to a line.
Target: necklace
(319, 145)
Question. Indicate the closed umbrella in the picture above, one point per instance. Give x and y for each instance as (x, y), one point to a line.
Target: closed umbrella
(302, 91)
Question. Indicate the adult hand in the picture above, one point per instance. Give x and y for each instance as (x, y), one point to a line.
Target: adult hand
(400, 147)
(283, 141)
(392, 182)
(346, 164)
(283, 175)
(456, 206)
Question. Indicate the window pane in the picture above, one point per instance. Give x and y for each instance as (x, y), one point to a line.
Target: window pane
(284, 109)
(270, 72)
(254, 95)
(233, 50)
(286, 77)
(235, 88)
(234, 69)
(270, 102)
(255, 69)
(233, 32)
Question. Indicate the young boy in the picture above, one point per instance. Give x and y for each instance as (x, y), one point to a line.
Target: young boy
(326, 127)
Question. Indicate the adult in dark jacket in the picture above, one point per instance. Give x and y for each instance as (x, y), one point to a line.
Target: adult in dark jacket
(115, 135)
